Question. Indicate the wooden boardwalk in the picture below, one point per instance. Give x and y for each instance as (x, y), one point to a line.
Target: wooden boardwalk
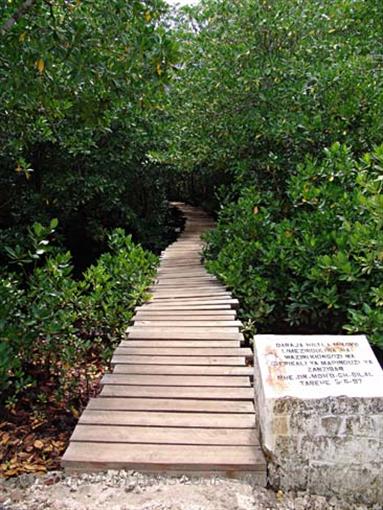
(179, 398)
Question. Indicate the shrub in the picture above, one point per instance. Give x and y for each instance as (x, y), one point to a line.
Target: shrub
(115, 286)
(51, 323)
(313, 261)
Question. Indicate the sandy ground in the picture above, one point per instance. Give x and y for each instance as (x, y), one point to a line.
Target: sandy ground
(121, 490)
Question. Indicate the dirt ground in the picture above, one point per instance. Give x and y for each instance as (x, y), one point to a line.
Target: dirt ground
(121, 490)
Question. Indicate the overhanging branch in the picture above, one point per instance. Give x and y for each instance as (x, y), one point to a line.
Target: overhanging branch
(18, 14)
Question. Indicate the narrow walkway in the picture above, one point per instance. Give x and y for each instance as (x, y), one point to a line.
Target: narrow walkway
(179, 398)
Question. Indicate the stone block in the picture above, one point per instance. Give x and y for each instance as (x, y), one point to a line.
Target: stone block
(319, 403)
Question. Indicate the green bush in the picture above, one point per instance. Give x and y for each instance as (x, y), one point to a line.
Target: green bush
(51, 323)
(116, 285)
(313, 261)
(263, 83)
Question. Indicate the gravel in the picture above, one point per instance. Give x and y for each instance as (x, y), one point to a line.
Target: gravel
(129, 490)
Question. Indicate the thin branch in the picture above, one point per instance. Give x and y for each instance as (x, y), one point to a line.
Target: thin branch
(18, 14)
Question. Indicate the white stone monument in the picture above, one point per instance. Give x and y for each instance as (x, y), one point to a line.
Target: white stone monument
(319, 402)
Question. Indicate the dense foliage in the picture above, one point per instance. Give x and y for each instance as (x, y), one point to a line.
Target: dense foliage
(52, 325)
(268, 112)
(275, 105)
(82, 85)
(266, 82)
(318, 268)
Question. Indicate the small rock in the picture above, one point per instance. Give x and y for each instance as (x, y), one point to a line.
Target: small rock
(130, 487)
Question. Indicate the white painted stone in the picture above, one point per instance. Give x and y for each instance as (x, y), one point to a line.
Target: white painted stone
(318, 366)
(319, 403)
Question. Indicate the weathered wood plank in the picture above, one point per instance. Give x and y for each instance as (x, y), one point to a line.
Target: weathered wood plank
(183, 315)
(175, 380)
(186, 334)
(184, 351)
(178, 360)
(199, 392)
(180, 343)
(167, 419)
(174, 405)
(192, 308)
(183, 370)
(187, 323)
(191, 312)
(192, 301)
(163, 457)
(163, 281)
(165, 435)
(189, 293)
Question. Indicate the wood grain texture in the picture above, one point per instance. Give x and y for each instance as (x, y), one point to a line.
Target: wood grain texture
(173, 405)
(165, 435)
(183, 370)
(180, 396)
(167, 419)
(175, 380)
(84, 455)
(211, 392)
(178, 360)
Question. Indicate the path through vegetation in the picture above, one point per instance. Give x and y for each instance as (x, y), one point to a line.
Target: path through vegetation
(179, 397)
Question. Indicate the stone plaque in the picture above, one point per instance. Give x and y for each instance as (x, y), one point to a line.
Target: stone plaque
(305, 366)
(319, 402)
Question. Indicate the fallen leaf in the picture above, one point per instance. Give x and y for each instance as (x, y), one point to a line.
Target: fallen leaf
(5, 438)
(40, 65)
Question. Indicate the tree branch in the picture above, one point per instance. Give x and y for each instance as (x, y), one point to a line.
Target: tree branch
(18, 14)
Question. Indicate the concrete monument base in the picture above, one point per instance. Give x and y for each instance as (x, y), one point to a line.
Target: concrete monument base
(319, 403)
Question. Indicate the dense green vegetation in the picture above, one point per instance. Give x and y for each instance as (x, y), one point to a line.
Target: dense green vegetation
(81, 92)
(52, 326)
(279, 105)
(267, 112)
(82, 85)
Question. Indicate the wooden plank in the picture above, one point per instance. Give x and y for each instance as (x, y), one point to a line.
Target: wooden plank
(168, 419)
(164, 435)
(177, 360)
(174, 264)
(163, 281)
(141, 457)
(181, 258)
(183, 370)
(186, 333)
(173, 405)
(185, 275)
(188, 289)
(180, 343)
(158, 285)
(196, 300)
(169, 269)
(193, 267)
(184, 351)
(195, 323)
(193, 301)
(181, 316)
(189, 293)
(188, 286)
(202, 315)
(208, 313)
(175, 380)
(199, 392)
(188, 305)
(192, 306)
